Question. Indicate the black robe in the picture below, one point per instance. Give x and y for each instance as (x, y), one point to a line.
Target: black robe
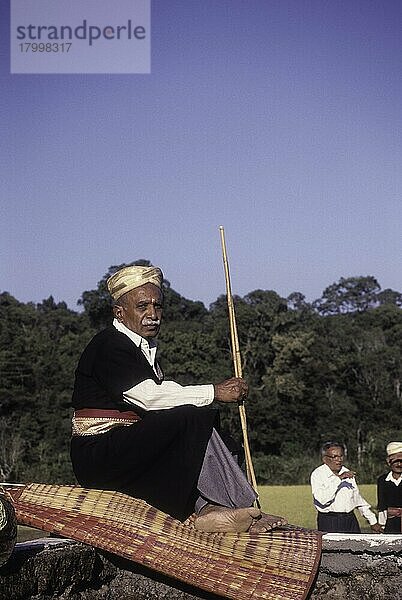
(389, 495)
(159, 458)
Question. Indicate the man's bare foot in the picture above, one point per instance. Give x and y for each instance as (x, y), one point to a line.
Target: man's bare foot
(266, 523)
(226, 520)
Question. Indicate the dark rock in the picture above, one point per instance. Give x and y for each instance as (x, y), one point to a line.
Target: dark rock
(353, 568)
(360, 567)
(8, 528)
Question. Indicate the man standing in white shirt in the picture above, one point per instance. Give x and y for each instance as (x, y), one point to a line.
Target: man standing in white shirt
(336, 494)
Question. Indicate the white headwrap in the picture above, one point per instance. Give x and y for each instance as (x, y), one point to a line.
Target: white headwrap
(129, 278)
(394, 447)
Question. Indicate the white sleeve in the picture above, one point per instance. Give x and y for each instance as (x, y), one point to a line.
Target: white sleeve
(365, 509)
(382, 517)
(168, 394)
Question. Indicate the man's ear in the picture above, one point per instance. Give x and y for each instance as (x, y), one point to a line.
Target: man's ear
(118, 312)
(387, 461)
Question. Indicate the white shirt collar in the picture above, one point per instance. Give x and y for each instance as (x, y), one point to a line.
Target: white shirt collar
(390, 477)
(147, 348)
(134, 337)
(329, 472)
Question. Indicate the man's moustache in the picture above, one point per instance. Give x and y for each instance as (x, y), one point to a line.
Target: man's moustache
(151, 322)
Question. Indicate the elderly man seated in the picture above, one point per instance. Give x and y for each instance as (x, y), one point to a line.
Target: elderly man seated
(137, 433)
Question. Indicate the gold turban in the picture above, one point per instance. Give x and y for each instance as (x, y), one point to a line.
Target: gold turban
(128, 278)
(394, 447)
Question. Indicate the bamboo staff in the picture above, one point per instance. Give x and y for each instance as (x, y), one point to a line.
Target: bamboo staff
(237, 363)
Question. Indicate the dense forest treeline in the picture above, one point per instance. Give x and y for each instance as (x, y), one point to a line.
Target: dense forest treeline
(317, 371)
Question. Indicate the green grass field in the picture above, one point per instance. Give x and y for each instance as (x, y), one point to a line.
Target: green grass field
(293, 502)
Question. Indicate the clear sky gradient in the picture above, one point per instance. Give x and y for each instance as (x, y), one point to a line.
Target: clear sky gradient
(278, 119)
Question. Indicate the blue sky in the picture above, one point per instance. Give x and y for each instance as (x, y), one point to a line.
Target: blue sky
(278, 119)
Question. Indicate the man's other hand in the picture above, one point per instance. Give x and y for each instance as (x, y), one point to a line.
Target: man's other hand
(231, 390)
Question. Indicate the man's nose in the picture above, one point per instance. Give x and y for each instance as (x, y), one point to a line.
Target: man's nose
(152, 311)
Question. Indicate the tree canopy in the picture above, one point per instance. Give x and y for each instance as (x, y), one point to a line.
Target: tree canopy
(327, 369)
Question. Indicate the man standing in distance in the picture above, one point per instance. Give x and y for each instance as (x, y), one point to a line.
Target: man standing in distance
(153, 439)
(336, 495)
(389, 491)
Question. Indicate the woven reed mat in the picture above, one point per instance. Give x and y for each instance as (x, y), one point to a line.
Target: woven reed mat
(275, 565)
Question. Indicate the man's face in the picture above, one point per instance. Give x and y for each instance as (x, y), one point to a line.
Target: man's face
(141, 310)
(395, 462)
(333, 457)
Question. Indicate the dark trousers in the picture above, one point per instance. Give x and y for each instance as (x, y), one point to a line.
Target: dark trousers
(336, 522)
(157, 459)
(393, 525)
